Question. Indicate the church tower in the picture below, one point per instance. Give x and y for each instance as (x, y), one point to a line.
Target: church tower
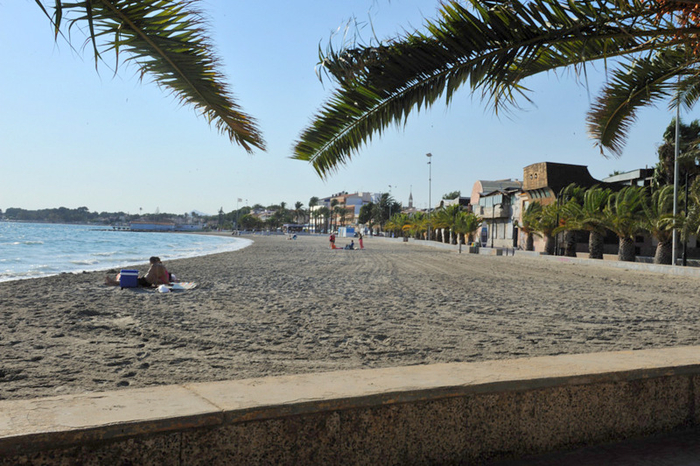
(410, 199)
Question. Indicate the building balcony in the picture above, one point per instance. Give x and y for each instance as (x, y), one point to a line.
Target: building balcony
(497, 211)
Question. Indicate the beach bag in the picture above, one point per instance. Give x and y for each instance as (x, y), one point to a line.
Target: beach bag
(128, 278)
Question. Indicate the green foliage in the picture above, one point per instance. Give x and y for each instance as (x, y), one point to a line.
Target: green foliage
(623, 213)
(251, 222)
(658, 218)
(586, 213)
(382, 210)
(61, 215)
(467, 223)
(366, 212)
(688, 157)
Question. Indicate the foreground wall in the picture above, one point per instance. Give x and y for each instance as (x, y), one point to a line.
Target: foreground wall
(440, 414)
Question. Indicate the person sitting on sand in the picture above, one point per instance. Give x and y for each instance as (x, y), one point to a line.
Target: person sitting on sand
(351, 245)
(157, 275)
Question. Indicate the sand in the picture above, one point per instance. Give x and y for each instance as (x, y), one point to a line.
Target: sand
(284, 307)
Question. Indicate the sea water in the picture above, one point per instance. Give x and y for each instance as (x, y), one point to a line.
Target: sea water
(33, 250)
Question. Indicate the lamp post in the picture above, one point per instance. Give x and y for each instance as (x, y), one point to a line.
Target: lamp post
(675, 185)
(389, 200)
(430, 188)
(238, 199)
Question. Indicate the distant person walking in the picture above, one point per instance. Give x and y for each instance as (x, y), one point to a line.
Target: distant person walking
(359, 240)
(332, 240)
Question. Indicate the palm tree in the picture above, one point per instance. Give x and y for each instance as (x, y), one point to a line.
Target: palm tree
(453, 211)
(299, 212)
(325, 213)
(333, 211)
(688, 155)
(691, 224)
(442, 220)
(339, 212)
(316, 215)
(381, 210)
(571, 194)
(466, 224)
(588, 216)
(366, 216)
(399, 223)
(417, 225)
(660, 222)
(622, 216)
(546, 224)
(530, 219)
(491, 47)
(166, 40)
(313, 202)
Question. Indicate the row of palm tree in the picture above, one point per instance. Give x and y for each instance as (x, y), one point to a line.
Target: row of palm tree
(448, 225)
(627, 213)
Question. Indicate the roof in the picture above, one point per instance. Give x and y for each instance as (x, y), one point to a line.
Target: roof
(505, 186)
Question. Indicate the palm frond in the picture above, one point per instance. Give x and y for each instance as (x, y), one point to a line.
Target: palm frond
(638, 83)
(167, 41)
(658, 217)
(489, 46)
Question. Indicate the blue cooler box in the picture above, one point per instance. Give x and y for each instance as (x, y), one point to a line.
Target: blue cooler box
(128, 278)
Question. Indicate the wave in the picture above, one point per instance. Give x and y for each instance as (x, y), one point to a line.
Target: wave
(84, 262)
(60, 249)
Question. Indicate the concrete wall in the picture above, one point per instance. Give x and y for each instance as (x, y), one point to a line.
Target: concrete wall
(465, 413)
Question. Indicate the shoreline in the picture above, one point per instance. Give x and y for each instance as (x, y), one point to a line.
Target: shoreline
(122, 264)
(288, 307)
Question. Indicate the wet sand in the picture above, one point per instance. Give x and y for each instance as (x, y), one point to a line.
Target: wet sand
(285, 307)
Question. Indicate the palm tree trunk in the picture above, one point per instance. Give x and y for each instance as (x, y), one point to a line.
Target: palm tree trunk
(549, 245)
(626, 250)
(530, 242)
(569, 244)
(664, 252)
(595, 245)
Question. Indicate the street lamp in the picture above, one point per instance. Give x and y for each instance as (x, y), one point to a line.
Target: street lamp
(389, 201)
(430, 188)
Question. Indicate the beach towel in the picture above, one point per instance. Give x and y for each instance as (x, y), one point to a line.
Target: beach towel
(182, 286)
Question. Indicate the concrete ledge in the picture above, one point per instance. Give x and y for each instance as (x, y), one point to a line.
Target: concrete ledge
(639, 266)
(692, 270)
(467, 412)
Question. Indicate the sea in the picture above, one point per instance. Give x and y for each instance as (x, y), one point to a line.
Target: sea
(34, 250)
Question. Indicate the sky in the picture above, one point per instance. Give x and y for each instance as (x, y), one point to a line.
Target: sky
(71, 136)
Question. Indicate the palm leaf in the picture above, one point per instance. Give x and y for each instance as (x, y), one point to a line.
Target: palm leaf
(488, 46)
(491, 47)
(638, 83)
(167, 41)
(658, 217)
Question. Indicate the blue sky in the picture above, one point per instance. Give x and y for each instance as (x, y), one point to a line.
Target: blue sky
(70, 136)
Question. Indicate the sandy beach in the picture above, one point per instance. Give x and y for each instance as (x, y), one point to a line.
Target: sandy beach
(284, 307)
